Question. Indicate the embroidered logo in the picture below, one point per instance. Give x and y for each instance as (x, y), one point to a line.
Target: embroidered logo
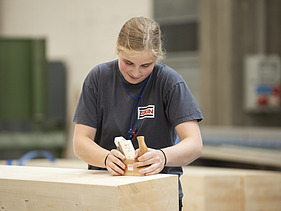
(146, 112)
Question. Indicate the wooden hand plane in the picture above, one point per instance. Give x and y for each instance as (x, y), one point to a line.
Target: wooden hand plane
(127, 148)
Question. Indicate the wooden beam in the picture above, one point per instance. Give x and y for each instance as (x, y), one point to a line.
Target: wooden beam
(230, 189)
(42, 188)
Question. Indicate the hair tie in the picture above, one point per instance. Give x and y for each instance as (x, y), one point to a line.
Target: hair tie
(105, 159)
(164, 157)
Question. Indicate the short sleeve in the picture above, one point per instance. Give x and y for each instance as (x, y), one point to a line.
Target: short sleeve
(180, 105)
(86, 110)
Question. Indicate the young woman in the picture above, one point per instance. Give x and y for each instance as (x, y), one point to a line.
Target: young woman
(134, 95)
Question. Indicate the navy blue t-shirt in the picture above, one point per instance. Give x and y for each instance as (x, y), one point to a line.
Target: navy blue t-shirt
(165, 102)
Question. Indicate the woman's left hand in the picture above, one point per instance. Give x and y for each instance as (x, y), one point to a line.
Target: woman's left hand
(153, 159)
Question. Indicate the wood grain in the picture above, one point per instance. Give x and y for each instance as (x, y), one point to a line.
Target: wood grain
(230, 189)
(42, 188)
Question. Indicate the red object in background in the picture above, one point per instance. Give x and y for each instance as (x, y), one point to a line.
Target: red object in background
(277, 90)
(262, 101)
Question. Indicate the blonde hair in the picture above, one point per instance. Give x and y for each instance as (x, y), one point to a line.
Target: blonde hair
(140, 34)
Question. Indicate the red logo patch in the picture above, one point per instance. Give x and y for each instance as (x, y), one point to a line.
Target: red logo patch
(146, 112)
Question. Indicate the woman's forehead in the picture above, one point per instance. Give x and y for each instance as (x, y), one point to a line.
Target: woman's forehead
(146, 55)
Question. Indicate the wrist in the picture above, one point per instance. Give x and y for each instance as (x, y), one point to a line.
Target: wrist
(165, 157)
(105, 159)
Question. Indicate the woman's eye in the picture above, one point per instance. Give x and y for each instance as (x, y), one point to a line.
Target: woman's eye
(129, 63)
(145, 65)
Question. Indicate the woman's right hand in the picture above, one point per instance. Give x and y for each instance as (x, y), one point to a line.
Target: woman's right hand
(114, 162)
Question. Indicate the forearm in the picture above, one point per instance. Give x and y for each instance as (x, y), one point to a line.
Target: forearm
(86, 149)
(189, 148)
(179, 155)
(90, 152)
(183, 153)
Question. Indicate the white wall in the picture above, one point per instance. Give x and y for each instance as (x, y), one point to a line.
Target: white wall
(80, 33)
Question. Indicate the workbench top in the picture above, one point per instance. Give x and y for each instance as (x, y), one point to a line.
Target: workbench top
(67, 175)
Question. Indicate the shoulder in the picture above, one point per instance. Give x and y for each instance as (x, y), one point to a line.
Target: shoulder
(101, 71)
(104, 68)
(167, 75)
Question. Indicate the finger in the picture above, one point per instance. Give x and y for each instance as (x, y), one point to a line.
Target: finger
(112, 171)
(151, 159)
(144, 160)
(142, 164)
(146, 156)
(117, 154)
(114, 168)
(137, 153)
(151, 170)
(115, 162)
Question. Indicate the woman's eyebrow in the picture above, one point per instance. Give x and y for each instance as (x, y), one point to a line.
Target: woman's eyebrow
(126, 60)
(148, 63)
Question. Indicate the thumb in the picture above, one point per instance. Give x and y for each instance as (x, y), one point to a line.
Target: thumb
(137, 153)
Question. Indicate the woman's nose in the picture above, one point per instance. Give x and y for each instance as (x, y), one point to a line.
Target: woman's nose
(135, 71)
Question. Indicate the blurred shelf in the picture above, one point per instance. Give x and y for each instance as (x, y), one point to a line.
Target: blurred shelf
(58, 163)
(14, 145)
(23, 140)
(243, 147)
(259, 137)
(249, 155)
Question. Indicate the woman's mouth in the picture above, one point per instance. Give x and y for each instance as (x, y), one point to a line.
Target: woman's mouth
(134, 78)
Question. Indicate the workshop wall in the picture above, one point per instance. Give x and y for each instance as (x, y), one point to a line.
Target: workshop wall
(81, 34)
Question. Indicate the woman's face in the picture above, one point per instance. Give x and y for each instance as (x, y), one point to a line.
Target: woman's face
(135, 67)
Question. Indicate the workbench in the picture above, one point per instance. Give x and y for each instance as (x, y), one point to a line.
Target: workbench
(45, 188)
